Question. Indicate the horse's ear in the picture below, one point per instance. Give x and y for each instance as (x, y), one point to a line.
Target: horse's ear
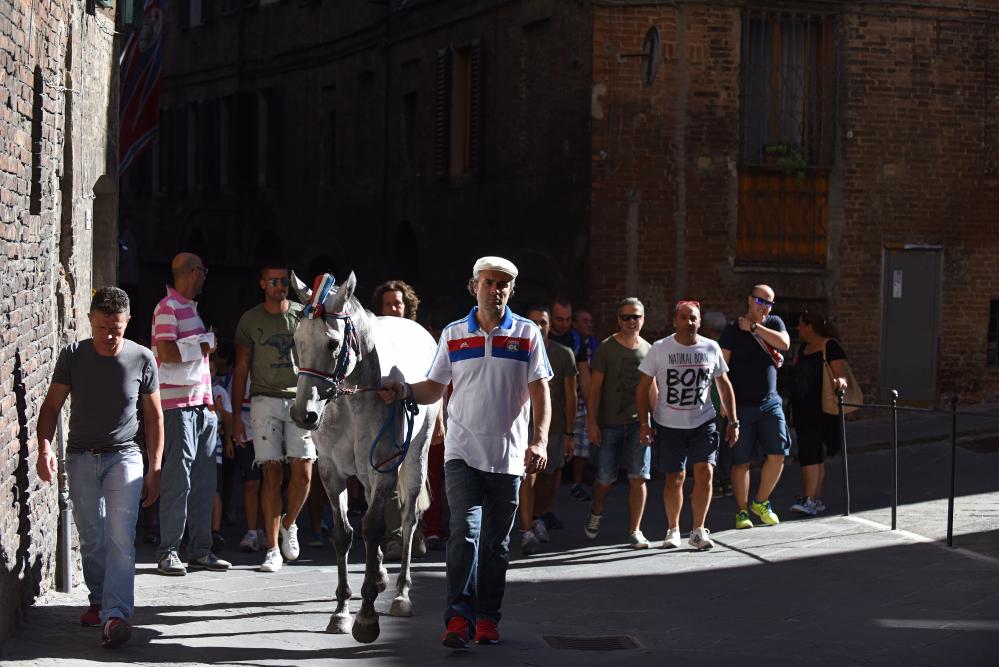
(301, 289)
(338, 302)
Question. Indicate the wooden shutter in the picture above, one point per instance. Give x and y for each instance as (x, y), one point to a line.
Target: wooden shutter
(442, 113)
(476, 110)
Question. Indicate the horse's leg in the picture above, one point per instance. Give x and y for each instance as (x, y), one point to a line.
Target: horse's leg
(401, 605)
(366, 628)
(336, 489)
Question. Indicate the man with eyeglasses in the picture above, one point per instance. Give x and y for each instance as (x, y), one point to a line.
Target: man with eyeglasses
(265, 354)
(181, 345)
(752, 347)
(612, 420)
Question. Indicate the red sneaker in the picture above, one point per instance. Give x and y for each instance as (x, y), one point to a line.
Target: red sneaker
(115, 633)
(91, 617)
(458, 633)
(486, 632)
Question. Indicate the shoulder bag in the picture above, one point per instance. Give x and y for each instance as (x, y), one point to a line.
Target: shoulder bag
(830, 401)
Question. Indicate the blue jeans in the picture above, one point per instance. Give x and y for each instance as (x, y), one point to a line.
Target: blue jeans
(188, 480)
(105, 490)
(483, 508)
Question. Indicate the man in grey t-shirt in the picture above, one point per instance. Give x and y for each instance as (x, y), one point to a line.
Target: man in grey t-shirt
(107, 378)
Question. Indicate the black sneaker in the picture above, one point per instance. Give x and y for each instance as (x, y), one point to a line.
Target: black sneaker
(218, 542)
(209, 562)
(551, 521)
(115, 633)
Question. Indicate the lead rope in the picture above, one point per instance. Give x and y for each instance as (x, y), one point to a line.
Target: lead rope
(400, 452)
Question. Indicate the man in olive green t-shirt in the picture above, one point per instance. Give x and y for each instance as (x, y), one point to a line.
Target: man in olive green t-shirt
(612, 420)
(265, 345)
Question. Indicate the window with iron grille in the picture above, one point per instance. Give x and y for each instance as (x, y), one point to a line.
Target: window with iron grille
(992, 354)
(787, 124)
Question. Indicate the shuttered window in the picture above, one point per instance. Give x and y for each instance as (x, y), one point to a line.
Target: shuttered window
(787, 123)
(458, 113)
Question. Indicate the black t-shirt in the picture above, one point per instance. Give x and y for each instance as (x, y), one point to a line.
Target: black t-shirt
(572, 340)
(806, 387)
(753, 375)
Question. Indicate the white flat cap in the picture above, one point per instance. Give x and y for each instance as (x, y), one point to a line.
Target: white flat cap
(494, 264)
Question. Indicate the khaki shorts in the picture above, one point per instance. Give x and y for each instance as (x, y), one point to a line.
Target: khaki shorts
(275, 436)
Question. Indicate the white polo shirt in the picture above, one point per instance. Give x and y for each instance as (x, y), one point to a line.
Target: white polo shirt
(489, 410)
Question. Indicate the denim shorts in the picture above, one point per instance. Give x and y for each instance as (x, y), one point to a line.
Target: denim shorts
(762, 430)
(676, 445)
(276, 437)
(620, 446)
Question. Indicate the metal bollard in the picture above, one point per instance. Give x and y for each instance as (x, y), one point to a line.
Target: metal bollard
(840, 393)
(894, 459)
(953, 468)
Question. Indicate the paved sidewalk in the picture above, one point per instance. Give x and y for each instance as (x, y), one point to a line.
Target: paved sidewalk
(826, 591)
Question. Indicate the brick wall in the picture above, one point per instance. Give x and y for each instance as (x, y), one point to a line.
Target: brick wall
(55, 91)
(916, 164)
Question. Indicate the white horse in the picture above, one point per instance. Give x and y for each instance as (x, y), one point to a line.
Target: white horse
(344, 353)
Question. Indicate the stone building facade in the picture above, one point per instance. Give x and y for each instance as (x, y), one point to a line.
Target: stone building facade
(842, 151)
(58, 110)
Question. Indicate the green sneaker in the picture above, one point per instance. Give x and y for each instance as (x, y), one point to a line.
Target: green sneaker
(742, 520)
(765, 512)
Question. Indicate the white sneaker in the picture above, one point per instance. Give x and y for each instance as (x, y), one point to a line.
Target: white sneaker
(529, 543)
(272, 561)
(820, 506)
(672, 540)
(250, 542)
(637, 540)
(699, 539)
(805, 506)
(289, 540)
(592, 525)
(540, 530)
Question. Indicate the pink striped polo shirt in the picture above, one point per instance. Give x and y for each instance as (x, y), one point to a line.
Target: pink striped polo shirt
(177, 317)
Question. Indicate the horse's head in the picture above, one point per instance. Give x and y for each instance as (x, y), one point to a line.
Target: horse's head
(327, 345)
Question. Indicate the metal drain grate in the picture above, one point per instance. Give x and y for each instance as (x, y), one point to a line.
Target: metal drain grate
(612, 643)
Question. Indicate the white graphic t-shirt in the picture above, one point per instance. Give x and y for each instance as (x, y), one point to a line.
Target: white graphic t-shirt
(684, 375)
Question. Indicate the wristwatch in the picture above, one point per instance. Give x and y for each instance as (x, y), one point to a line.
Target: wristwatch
(734, 422)
(752, 327)
(569, 434)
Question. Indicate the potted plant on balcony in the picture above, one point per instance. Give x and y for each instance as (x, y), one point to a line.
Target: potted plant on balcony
(788, 157)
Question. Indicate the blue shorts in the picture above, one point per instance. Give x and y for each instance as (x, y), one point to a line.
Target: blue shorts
(245, 456)
(676, 445)
(621, 446)
(582, 441)
(762, 429)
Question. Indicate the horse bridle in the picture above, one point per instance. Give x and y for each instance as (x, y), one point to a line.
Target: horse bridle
(351, 344)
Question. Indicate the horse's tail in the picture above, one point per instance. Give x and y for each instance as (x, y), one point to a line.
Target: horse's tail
(423, 499)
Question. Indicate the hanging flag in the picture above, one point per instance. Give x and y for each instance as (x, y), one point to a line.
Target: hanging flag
(139, 107)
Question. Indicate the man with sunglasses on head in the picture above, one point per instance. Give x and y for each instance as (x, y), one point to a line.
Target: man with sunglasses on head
(181, 345)
(265, 351)
(752, 347)
(612, 420)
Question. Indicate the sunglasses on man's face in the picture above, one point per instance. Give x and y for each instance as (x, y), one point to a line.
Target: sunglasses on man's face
(630, 318)
(274, 282)
(760, 301)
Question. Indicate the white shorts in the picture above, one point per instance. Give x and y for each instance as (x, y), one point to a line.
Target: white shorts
(275, 436)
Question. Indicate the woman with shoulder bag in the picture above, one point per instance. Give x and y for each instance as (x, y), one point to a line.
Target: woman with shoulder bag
(818, 433)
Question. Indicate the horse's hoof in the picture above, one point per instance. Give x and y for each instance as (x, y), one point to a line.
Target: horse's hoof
(382, 582)
(339, 625)
(401, 606)
(366, 632)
